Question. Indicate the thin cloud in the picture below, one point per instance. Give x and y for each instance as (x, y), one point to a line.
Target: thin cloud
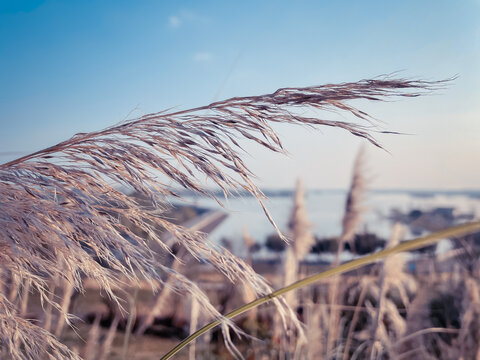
(184, 17)
(202, 56)
(174, 21)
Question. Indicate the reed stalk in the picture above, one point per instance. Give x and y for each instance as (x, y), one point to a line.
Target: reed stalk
(131, 317)
(68, 289)
(109, 337)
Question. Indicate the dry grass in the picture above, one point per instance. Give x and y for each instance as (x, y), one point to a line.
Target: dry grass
(63, 205)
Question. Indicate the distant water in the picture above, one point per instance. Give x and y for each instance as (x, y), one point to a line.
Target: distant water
(325, 211)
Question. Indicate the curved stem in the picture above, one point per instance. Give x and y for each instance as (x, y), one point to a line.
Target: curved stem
(337, 270)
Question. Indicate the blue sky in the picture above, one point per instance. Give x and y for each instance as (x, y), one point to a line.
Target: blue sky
(76, 66)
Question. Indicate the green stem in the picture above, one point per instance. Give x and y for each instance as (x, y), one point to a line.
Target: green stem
(454, 231)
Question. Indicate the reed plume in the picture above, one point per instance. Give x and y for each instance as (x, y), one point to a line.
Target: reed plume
(299, 230)
(392, 275)
(301, 241)
(351, 219)
(63, 204)
(354, 204)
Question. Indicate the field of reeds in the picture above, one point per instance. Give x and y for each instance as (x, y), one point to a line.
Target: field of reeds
(98, 264)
